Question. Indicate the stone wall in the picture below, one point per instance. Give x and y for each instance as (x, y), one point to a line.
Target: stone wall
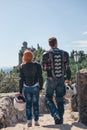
(9, 115)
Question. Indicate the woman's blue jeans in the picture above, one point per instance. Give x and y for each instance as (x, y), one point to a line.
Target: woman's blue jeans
(55, 87)
(32, 102)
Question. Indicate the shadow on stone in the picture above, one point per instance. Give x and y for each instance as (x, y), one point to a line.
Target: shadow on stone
(79, 125)
(61, 127)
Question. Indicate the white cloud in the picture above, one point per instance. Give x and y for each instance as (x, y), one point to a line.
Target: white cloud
(84, 33)
(80, 43)
(77, 45)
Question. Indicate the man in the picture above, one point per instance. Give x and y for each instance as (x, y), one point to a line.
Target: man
(56, 63)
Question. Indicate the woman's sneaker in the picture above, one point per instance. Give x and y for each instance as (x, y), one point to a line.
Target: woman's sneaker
(37, 123)
(29, 123)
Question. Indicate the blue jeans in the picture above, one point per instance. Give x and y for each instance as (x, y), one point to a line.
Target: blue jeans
(32, 102)
(57, 87)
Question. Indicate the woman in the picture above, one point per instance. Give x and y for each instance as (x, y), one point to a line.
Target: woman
(30, 84)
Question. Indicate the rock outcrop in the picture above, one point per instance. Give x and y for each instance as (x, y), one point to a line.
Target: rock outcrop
(9, 115)
(82, 95)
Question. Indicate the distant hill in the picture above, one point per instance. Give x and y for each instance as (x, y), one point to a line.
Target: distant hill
(6, 69)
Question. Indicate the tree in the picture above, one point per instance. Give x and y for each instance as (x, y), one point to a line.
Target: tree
(9, 82)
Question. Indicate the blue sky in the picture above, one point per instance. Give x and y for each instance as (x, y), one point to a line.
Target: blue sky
(35, 21)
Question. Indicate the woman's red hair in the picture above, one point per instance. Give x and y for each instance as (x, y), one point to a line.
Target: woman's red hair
(27, 56)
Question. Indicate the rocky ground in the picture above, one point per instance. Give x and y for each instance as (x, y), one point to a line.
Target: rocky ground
(47, 123)
(8, 116)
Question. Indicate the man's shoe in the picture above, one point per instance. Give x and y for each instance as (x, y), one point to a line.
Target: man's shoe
(37, 123)
(61, 121)
(58, 121)
(56, 118)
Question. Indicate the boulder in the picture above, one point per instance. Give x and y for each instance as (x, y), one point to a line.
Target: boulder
(9, 115)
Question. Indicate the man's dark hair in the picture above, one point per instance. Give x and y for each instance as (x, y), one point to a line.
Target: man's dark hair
(52, 41)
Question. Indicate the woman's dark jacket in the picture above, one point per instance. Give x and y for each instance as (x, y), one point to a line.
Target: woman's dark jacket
(30, 74)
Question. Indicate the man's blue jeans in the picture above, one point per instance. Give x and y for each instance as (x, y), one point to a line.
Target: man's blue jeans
(32, 102)
(57, 87)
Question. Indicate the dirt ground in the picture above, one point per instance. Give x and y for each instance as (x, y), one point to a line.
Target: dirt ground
(47, 123)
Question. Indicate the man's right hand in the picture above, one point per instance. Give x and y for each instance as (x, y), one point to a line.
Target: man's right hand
(68, 82)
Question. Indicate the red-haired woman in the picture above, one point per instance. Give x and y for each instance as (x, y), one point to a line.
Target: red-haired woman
(30, 84)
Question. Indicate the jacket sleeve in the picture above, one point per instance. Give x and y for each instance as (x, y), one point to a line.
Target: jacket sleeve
(21, 79)
(67, 66)
(45, 61)
(40, 78)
